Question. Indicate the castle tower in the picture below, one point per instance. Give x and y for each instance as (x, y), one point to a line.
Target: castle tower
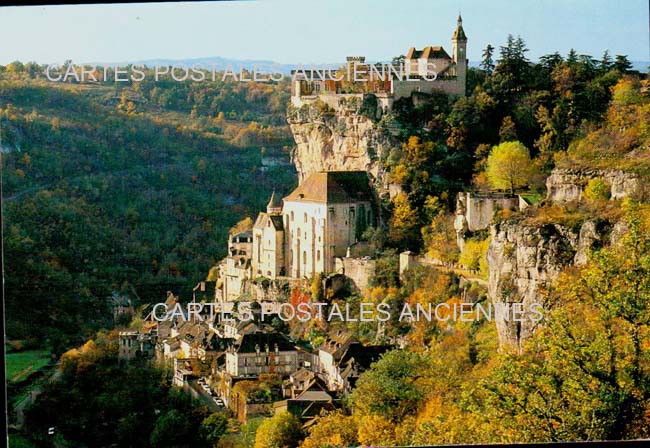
(275, 205)
(459, 55)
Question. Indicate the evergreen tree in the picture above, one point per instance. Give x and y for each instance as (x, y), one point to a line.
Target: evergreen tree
(572, 57)
(513, 63)
(487, 63)
(622, 63)
(606, 62)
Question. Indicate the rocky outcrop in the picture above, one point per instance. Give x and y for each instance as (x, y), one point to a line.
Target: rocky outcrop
(525, 259)
(338, 140)
(565, 185)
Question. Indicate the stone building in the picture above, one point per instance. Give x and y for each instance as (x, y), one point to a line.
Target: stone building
(268, 241)
(316, 223)
(323, 217)
(138, 343)
(429, 70)
(342, 359)
(258, 353)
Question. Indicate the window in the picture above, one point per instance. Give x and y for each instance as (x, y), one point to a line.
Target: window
(318, 255)
(305, 218)
(291, 215)
(304, 257)
(331, 211)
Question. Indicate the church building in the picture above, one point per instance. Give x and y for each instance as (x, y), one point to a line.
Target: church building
(316, 223)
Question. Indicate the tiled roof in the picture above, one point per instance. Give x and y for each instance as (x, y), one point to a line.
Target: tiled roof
(459, 33)
(362, 355)
(333, 187)
(250, 342)
(430, 52)
(275, 201)
(263, 218)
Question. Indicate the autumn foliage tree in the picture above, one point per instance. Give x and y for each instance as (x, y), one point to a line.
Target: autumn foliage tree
(509, 166)
(586, 374)
(281, 430)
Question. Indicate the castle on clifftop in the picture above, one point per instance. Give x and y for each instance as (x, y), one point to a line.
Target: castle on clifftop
(428, 70)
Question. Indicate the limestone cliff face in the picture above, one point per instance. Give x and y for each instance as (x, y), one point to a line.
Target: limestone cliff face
(341, 140)
(525, 259)
(565, 185)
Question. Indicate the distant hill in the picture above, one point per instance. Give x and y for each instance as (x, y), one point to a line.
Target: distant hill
(219, 63)
(261, 64)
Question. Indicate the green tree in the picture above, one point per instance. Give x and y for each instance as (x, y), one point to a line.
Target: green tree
(622, 63)
(171, 429)
(394, 388)
(606, 62)
(509, 166)
(487, 63)
(474, 256)
(213, 427)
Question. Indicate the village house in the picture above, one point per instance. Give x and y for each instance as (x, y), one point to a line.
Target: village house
(342, 359)
(122, 306)
(258, 353)
(235, 269)
(309, 402)
(139, 344)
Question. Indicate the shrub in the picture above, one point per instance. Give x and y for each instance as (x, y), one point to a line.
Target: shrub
(474, 256)
(597, 189)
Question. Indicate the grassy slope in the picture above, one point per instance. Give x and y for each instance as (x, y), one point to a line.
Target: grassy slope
(21, 364)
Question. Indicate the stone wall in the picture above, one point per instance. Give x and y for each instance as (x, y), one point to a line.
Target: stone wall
(478, 209)
(404, 88)
(565, 185)
(358, 270)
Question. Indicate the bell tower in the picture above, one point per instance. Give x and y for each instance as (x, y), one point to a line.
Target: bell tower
(459, 55)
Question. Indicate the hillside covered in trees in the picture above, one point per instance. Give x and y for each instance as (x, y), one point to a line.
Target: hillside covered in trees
(127, 188)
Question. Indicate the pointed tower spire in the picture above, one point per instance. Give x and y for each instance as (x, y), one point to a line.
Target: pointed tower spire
(274, 205)
(459, 32)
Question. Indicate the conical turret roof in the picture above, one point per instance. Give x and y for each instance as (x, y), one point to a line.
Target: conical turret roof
(274, 203)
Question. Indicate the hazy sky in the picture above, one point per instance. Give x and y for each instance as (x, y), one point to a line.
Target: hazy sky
(315, 32)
